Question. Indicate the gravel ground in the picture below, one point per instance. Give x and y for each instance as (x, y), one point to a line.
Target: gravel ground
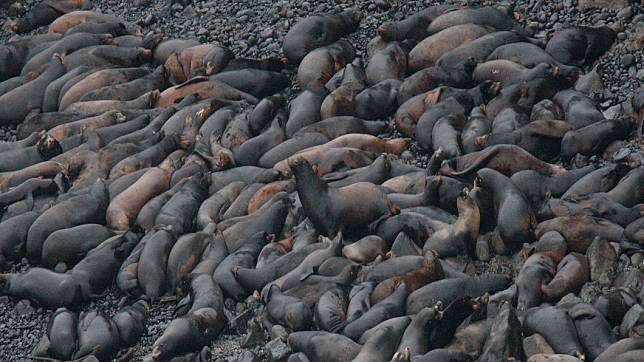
(256, 29)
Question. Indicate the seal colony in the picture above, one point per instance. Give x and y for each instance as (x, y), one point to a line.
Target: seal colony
(177, 170)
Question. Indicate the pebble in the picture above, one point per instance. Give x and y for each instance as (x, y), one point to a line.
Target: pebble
(267, 33)
(627, 60)
(625, 13)
(602, 261)
(149, 19)
(277, 350)
(248, 356)
(640, 75)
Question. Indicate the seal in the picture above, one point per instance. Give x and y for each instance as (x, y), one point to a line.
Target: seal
(380, 346)
(625, 348)
(204, 88)
(459, 238)
(186, 253)
(508, 72)
(390, 307)
(556, 326)
(579, 110)
(304, 110)
(128, 90)
(366, 249)
(95, 329)
(317, 31)
(318, 66)
(415, 339)
(199, 60)
(81, 209)
(53, 90)
(541, 138)
(256, 278)
(496, 158)
(515, 219)
(66, 45)
(335, 127)
(24, 99)
(580, 230)
(327, 207)
(377, 101)
(270, 218)
(148, 157)
(46, 148)
(593, 329)
(485, 16)
(413, 26)
(180, 210)
(249, 152)
(430, 49)
(243, 257)
(449, 290)
(65, 130)
(288, 311)
(36, 285)
(108, 55)
(68, 246)
(389, 62)
(536, 272)
(461, 58)
(130, 322)
(331, 310)
(73, 18)
(151, 269)
(601, 179)
(214, 206)
(340, 102)
(62, 331)
(97, 80)
(189, 333)
(323, 346)
(13, 235)
(145, 101)
(257, 82)
(580, 45)
(594, 138)
(429, 271)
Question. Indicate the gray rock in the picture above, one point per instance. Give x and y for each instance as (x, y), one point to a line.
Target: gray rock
(149, 19)
(255, 335)
(536, 344)
(278, 331)
(248, 356)
(640, 75)
(633, 322)
(267, 33)
(627, 60)
(602, 260)
(552, 240)
(277, 350)
(24, 307)
(625, 13)
(298, 357)
(601, 4)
